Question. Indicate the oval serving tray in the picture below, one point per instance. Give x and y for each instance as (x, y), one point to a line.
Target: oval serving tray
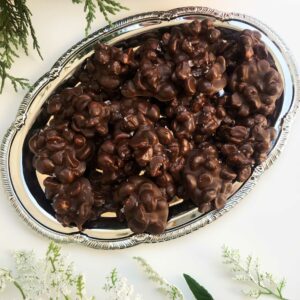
(22, 183)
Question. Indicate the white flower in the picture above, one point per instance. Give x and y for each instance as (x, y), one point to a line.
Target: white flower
(47, 278)
(118, 288)
(248, 271)
(5, 277)
(171, 291)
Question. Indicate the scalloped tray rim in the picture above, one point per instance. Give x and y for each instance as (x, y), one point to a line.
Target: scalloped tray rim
(200, 221)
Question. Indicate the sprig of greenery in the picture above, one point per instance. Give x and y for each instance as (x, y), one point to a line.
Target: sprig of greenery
(118, 288)
(53, 255)
(15, 29)
(17, 82)
(51, 277)
(47, 278)
(171, 291)
(80, 286)
(106, 7)
(5, 278)
(248, 271)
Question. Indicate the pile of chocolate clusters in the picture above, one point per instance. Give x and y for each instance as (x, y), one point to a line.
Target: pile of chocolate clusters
(185, 114)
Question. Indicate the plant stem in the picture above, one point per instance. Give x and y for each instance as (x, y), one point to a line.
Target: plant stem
(52, 264)
(258, 282)
(20, 289)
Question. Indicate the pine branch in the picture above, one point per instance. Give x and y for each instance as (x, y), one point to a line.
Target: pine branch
(106, 7)
(15, 81)
(15, 30)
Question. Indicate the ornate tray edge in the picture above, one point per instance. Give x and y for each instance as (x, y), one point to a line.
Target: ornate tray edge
(202, 220)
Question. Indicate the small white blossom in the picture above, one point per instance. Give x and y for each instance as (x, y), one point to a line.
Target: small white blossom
(248, 271)
(47, 278)
(118, 288)
(5, 277)
(171, 291)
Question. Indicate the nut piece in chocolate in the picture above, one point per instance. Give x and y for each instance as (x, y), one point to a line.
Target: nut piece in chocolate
(206, 183)
(60, 152)
(72, 202)
(145, 209)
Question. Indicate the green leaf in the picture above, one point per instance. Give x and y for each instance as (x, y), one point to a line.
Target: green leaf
(199, 291)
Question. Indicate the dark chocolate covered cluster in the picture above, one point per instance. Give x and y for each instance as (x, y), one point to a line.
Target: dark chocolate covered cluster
(188, 113)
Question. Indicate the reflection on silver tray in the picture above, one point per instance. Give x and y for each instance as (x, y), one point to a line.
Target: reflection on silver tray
(22, 184)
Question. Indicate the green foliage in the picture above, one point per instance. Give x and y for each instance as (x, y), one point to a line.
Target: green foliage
(15, 30)
(53, 255)
(248, 271)
(80, 286)
(198, 291)
(171, 291)
(46, 278)
(111, 280)
(118, 288)
(51, 277)
(114, 277)
(106, 7)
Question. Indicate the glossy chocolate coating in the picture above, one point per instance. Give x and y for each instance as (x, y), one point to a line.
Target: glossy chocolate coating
(188, 113)
(72, 202)
(60, 152)
(256, 87)
(204, 180)
(145, 209)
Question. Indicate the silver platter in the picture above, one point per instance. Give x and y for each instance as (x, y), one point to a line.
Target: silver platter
(21, 182)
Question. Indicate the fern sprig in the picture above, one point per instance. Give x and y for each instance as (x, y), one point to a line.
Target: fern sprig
(249, 272)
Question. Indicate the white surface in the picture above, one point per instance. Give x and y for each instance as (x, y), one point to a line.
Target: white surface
(266, 223)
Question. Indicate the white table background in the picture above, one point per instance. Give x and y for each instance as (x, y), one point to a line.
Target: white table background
(266, 223)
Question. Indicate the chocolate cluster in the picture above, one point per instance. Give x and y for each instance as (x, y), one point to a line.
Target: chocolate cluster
(188, 113)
